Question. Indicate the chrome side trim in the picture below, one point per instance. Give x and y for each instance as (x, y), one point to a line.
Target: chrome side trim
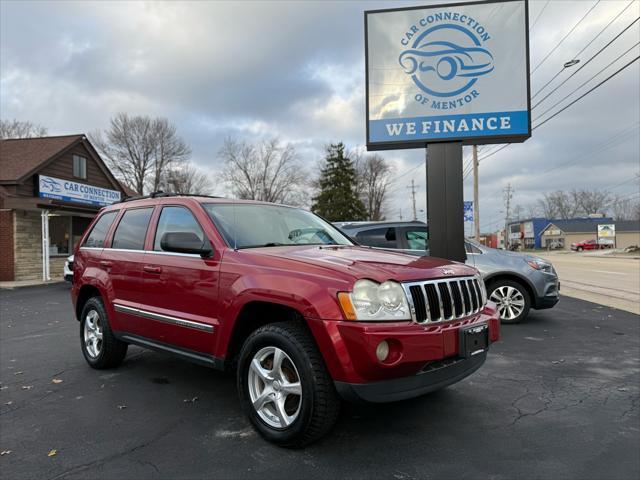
(91, 248)
(152, 252)
(181, 322)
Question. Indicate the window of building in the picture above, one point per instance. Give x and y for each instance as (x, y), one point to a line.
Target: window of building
(378, 237)
(79, 167)
(99, 231)
(176, 219)
(59, 235)
(78, 226)
(132, 229)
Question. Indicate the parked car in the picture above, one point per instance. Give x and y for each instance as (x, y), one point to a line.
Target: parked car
(304, 316)
(516, 282)
(588, 245)
(68, 269)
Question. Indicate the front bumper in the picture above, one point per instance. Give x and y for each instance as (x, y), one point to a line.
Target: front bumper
(422, 358)
(434, 376)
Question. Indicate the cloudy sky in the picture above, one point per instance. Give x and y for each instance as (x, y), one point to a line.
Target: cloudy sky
(295, 70)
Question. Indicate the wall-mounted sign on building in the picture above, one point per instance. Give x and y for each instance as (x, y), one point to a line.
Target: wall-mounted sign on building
(607, 234)
(69, 191)
(447, 73)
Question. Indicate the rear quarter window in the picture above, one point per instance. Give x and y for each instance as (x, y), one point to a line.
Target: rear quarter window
(378, 237)
(98, 234)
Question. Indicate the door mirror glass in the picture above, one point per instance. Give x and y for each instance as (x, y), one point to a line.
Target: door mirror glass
(185, 242)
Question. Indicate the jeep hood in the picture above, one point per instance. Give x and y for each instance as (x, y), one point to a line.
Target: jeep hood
(366, 262)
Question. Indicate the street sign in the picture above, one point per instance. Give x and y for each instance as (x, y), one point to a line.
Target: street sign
(455, 72)
(607, 234)
(468, 211)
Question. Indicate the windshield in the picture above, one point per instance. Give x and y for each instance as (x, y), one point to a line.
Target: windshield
(256, 225)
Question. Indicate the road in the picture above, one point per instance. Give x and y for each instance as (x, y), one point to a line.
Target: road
(557, 398)
(610, 281)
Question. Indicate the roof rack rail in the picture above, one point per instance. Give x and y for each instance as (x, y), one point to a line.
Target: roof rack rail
(160, 194)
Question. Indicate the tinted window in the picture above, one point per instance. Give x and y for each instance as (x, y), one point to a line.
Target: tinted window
(176, 219)
(471, 248)
(257, 225)
(132, 229)
(417, 239)
(98, 234)
(378, 237)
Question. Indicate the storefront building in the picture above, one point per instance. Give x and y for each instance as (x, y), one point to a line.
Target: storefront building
(560, 234)
(50, 190)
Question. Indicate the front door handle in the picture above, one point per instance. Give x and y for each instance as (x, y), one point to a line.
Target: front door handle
(152, 269)
(106, 264)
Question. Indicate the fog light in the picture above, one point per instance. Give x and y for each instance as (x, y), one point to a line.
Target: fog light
(382, 350)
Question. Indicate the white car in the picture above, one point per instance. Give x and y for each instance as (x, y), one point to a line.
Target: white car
(68, 269)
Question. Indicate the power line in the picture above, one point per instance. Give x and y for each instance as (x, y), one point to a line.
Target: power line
(564, 38)
(584, 64)
(587, 92)
(586, 81)
(539, 15)
(585, 47)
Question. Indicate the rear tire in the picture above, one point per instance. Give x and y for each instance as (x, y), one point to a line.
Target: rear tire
(512, 299)
(280, 363)
(101, 349)
(579, 249)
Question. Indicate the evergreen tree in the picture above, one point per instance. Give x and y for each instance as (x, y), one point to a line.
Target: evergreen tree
(338, 199)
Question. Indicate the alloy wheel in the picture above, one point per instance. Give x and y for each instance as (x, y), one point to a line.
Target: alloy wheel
(509, 300)
(274, 387)
(92, 333)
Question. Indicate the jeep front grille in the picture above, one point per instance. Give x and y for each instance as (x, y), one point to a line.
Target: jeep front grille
(445, 298)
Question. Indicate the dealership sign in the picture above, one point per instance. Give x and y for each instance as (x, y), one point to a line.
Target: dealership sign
(69, 191)
(457, 72)
(468, 211)
(607, 234)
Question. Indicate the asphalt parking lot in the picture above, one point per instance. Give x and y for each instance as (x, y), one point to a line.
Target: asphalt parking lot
(558, 398)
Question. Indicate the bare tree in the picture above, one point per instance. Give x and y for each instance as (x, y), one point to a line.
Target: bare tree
(625, 208)
(267, 171)
(20, 129)
(590, 201)
(141, 150)
(188, 179)
(558, 204)
(374, 178)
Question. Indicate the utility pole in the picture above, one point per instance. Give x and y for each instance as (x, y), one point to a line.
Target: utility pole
(413, 197)
(508, 195)
(401, 214)
(476, 206)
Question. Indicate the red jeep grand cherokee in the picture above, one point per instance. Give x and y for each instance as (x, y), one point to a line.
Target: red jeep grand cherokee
(304, 314)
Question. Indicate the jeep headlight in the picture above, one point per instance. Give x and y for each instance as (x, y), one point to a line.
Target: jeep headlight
(372, 301)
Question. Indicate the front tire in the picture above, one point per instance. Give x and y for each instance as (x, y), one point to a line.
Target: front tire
(284, 386)
(512, 299)
(101, 349)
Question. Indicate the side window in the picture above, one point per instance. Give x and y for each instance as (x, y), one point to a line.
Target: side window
(417, 239)
(132, 229)
(176, 219)
(471, 248)
(98, 233)
(378, 237)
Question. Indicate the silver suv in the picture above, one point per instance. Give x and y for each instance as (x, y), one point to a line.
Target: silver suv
(516, 282)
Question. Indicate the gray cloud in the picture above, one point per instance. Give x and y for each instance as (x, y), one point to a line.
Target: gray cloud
(296, 70)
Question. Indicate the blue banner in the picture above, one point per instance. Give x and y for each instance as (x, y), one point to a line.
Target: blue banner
(449, 126)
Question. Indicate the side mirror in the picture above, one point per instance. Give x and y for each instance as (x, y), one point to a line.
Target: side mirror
(185, 242)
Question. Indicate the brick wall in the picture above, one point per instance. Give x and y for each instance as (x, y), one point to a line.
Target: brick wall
(6, 246)
(28, 245)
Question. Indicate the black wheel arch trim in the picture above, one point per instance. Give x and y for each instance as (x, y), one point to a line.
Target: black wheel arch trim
(516, 277)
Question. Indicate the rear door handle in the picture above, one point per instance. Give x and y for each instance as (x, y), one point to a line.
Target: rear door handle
(152, 269)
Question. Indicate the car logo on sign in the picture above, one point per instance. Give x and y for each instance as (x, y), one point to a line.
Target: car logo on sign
(447, 271)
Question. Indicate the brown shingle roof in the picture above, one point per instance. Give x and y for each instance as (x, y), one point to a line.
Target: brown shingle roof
(20, 156)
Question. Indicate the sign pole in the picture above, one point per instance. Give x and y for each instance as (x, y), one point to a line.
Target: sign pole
(445, 208)
(476, 205)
